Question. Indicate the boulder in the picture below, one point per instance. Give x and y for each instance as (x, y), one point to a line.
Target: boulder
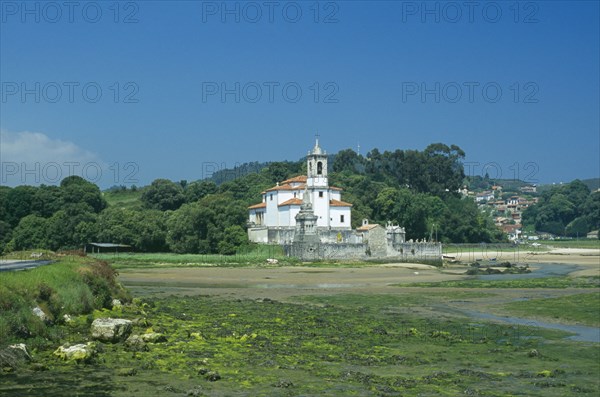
(135, 343)
(111, 329)
(14, 355)
(41, 314)
(116, 303)
(153, 337)
(78, 353)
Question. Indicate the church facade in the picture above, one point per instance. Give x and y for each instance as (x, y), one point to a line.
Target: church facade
(273, 220)
(308, 218)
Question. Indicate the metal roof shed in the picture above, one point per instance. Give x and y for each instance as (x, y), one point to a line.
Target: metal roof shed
(97, 248)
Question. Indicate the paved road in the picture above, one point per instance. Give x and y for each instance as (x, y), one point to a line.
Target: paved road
(12, 265)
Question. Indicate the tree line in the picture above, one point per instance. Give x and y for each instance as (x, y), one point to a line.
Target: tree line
(565, 210)
(416, 189)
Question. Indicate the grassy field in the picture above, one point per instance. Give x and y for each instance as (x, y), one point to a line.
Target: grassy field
(579, 308)
(580, 243)
(124, 199)
(256, 256)
(548, 282)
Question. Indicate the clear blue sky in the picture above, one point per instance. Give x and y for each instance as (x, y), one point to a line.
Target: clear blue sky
(388, 75)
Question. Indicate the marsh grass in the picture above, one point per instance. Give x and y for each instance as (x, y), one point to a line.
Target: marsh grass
(257, 255)
(547, 282)
(578, 308)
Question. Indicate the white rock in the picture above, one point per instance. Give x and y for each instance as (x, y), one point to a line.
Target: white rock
(79, 352)
(111, 329)
(40, 314)
(23, 350)
(116, 303)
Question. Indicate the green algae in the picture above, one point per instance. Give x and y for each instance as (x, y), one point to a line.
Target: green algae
(345, 346)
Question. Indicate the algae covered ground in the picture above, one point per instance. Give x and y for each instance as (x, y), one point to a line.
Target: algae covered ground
(365, 336)
(342, 345)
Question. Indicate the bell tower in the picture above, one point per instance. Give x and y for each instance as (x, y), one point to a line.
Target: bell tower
(316, 166)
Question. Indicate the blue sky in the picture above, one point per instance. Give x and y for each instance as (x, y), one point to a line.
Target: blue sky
(190, 86)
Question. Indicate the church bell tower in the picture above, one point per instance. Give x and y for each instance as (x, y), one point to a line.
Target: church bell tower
(316, 166)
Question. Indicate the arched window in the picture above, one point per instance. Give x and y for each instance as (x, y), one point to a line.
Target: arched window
(319, 168)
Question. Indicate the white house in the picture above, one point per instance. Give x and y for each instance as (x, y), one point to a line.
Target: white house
(281, 203)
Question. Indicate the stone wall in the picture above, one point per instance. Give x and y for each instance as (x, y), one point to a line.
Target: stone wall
(404, 252)
(285, 235)
(325, 251)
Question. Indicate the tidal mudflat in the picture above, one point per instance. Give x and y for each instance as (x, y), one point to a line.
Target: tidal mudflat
(306, 331)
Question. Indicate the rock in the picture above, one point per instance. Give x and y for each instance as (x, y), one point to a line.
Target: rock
(41, 314)
(153, 337)
(212, 376)
(126, 372)
(67, 318)
(533, 353)
(136, 343)
(284, 383)
(39, 367)
(21, 350)
(13, 356)
(272, 261)
(111, 329)
(78, 353)
(116, 303)
(195, 392)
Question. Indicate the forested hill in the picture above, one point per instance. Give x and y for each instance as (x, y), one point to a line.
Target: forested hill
(416, 189)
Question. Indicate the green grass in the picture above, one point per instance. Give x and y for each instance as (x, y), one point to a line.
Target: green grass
(580, 243)
(548, 282)
(491, 250)
(72, 285)
(579, 308)
(258, 255)
(126, 199)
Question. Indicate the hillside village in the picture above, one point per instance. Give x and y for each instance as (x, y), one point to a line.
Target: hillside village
(506, 204)
(506, 207)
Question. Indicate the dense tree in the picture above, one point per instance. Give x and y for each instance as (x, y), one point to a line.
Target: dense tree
(163, 195)
(568, 209)
(18, 204)
(76, 190)
(197, 190)
(144, 230)
(200, 227)
(70, 227)
(29, 233)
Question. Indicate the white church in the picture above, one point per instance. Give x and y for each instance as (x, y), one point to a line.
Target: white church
(274, 219)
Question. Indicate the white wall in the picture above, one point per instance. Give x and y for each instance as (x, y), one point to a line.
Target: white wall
(272, 217)
(335, 213)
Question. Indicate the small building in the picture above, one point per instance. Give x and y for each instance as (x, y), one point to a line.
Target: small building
(99, 248)
(484, 196)
(593, 234)
(529, 189)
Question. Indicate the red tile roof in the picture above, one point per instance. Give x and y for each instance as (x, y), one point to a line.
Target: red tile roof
(292, 201)
(299, 178)
(367, 227)
(280, 187)
(255, 206)
(337, 203)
